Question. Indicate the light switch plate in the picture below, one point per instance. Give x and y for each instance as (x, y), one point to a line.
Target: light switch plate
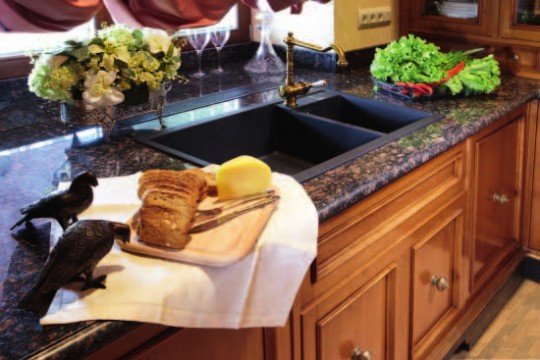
(374, 17)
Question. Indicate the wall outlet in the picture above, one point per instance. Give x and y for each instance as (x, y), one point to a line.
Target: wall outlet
(374, 17)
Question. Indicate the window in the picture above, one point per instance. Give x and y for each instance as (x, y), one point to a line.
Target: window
(17, 44)
(14, 46)
(231, 19)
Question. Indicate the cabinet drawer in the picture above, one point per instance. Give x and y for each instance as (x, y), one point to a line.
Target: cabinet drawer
(517, 59)
(434, 261)
(367, 314)
(497, 195)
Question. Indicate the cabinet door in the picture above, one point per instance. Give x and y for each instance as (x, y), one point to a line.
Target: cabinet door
(435, 281)
(497, 198)
(476, 17)
(363, 319)
(520, 19)
(534, 239)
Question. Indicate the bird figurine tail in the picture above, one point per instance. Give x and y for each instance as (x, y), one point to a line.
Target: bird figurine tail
(37, 301)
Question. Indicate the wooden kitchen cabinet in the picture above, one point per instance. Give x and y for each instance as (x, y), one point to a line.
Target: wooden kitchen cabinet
(435, 279)
(205, 344)
(520, 19)
(534, 219)
(510, 29)
(359, 298)
(361, 317)
(404, 272)
(497, 155)
(424, 15)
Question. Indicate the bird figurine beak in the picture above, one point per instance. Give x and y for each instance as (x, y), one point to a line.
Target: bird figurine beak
(95, 183)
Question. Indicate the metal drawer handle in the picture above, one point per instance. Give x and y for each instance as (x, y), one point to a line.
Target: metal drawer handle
(500, 198)
(441, 283)
(358, 354)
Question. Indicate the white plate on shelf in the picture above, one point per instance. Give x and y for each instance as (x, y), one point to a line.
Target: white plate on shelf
(461, 10)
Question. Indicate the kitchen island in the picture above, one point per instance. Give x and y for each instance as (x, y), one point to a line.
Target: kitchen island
(36, 153)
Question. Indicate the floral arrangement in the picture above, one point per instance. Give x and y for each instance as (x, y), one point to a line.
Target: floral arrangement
(118, 65)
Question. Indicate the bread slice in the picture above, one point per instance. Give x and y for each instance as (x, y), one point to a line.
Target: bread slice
(191, 180)
(169, 200)
(169, 197)
(165, 227)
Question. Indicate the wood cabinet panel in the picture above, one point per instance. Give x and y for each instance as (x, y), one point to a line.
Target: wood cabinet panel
(510, 28)
(436, 277)
(433, 266)
(368, 312)
(516, 45)
(534, 234)
(353, 230)
(516, 59)
(204, 344)
(360, 322)
(485, 24)
(497, 193)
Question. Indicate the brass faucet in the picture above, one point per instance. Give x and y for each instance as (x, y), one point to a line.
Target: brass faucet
(292, 89)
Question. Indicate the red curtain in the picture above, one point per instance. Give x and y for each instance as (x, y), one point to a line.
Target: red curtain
(61, 15)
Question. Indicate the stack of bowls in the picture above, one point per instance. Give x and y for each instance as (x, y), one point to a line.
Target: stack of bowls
(458, 9)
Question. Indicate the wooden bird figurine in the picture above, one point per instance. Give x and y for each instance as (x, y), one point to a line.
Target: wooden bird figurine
(76, 253)
(63, 205)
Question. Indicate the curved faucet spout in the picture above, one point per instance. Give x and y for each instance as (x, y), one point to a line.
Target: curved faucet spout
(290, 40)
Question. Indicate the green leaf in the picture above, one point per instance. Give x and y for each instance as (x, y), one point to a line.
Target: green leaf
(97, 41)
(73, 43)
(137, 34)
(170, 51)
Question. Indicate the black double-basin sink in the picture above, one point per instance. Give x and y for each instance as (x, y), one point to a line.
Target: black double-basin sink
(326, 130)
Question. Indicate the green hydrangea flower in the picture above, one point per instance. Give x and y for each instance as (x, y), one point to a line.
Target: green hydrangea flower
(53, 82)
(101, 70)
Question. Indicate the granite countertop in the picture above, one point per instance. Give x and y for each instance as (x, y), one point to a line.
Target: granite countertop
(37, 151)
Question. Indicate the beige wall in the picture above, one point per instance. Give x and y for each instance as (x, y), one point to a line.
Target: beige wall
(346, 30)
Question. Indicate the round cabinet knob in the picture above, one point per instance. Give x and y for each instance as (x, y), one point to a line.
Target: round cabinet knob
(358, 354)
(500, 198)
(515, 57)
(441, 283)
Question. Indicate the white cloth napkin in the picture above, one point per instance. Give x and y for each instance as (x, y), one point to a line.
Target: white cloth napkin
(256, 291)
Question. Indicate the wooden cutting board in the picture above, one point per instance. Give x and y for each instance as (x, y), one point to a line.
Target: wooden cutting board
(220, 246)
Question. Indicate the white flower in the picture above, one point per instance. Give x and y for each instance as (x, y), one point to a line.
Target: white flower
(99, 92)
(158, 40)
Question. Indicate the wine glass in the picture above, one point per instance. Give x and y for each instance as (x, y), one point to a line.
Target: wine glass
(198, 39)
(219, 37)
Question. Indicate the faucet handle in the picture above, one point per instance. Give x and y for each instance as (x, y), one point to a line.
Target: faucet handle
(319, 83)
(291, 92)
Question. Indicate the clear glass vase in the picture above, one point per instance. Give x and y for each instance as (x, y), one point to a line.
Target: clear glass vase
(265, 60)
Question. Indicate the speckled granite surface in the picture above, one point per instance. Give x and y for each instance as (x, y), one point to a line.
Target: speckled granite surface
(36, 153)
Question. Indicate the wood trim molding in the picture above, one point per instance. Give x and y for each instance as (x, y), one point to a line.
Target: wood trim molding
(15, 67)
